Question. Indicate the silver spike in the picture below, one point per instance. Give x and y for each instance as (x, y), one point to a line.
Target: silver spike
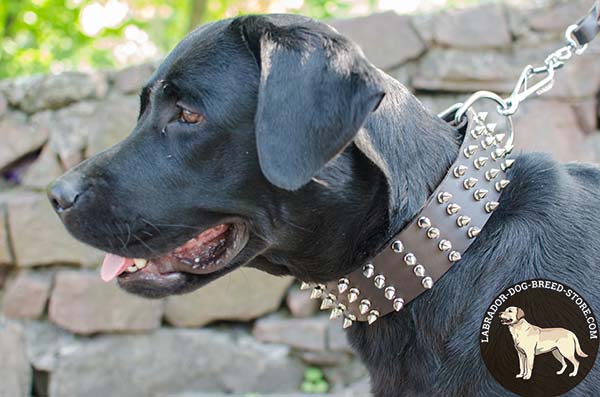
(365, 306)
(419, 270)
(508, 163)
(481, 116)
(480, 162)
(368, 270)
(473, 232)
(379, 281)
(390, 292)
(304, 286)
(502, 184)
(327, 303)
(470, 150)
(454, 256)
(509, 148)
(477, 131)
(433, 233)
(491, 174)
(498, 153)
(424, 222)
(427, 283)
(373, 316)
(480, 194)
(500, 137)
(470, 183)
(444, 245)
(410, 259)
(491, 127)
(452, 209)
(488, 141)
(336, 312)
(398, 304)
(463, 221)
(459, 171)
(316, 293)
(491, 206)
(353, 295)
(343, 285)
(397, 246)
(347, 323)
(444, 197)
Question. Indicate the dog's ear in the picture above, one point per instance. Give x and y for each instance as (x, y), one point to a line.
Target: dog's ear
(520, 313)
(316, 90)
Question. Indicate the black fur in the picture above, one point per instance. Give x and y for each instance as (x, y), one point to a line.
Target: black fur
(282, 150)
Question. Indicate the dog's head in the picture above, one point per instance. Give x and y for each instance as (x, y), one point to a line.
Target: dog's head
(511, 315)
(241, 156)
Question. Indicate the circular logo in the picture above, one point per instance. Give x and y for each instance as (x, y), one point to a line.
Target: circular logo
(539, 338)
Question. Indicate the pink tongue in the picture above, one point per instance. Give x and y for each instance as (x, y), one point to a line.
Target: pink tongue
(114, 265)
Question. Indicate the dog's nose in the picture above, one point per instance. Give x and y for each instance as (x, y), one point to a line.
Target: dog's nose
(64, 192)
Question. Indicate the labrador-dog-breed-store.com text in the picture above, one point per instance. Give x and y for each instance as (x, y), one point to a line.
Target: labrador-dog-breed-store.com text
(271, 142)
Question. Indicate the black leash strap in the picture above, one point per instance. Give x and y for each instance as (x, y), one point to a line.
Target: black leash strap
(589, 26)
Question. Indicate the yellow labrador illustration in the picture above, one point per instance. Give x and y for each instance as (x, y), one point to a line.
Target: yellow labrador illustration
(531, 340)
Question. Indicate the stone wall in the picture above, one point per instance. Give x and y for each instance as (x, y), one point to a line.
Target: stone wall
(63, 332)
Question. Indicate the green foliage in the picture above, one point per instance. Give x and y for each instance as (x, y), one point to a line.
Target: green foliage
(314, 382)
(39, 36)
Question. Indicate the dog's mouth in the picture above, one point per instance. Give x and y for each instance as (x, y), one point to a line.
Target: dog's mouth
(208, 252)
(505, 321)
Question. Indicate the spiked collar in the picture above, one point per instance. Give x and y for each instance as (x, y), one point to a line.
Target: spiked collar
(435, 240)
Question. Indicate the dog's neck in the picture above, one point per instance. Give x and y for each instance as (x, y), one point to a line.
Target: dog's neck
(414, 149)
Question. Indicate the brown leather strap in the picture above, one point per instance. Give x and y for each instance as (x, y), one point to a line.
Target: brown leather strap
(588, 26)
(435, 240)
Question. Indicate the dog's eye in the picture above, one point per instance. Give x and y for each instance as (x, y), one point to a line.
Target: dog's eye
(189, 117)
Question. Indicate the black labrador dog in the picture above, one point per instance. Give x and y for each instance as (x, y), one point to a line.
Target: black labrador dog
(271, 142)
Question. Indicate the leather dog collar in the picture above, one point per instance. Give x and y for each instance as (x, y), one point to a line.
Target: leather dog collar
(434, 240)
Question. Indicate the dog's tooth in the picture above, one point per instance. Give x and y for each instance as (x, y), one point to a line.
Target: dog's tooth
(379, 281)
(398, 304)
(373, 316)
(364, 306)
(132, 269)
(353, 295)
(343, 285)
(397, 246)
(390, 292)
(140, 263)
(427, 283)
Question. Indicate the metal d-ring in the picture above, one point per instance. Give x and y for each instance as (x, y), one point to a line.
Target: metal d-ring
(502, 106)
